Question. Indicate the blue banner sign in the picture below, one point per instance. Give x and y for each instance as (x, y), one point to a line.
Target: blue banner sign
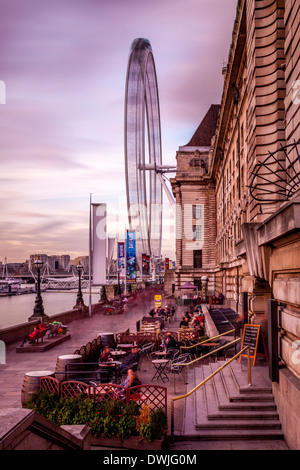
(131, 256)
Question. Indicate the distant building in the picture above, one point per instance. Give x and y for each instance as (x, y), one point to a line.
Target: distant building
(54, 263)
(194, 192)
(83, 260)
(41, 256)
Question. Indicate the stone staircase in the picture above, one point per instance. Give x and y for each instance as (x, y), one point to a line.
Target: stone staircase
(226, 407)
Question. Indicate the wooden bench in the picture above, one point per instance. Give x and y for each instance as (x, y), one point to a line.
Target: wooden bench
(53, 329)
(44, 344)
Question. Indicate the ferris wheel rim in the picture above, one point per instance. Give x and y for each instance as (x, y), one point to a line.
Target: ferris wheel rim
(141, 107)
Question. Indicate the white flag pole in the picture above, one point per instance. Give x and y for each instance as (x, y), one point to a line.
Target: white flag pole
(90, 258)
(125, 249)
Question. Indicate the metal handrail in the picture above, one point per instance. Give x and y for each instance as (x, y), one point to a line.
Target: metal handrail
(207, 355)
(206, 380)
(210, 353)
(207, 340)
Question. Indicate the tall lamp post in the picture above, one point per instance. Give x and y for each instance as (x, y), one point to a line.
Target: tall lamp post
(204, 281)
(38, 310)
(79, 300)
(118, 290)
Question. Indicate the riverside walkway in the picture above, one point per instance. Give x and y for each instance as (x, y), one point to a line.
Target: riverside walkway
(82, 331)
(85, 330)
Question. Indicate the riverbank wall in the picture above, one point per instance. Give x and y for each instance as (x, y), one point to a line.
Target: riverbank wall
(16, 333)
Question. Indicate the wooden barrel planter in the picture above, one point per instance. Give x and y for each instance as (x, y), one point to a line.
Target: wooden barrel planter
(108, 339)
(31, 384)
(64, 364)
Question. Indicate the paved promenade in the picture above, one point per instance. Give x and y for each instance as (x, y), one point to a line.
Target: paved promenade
(82, 331)
(85, 330)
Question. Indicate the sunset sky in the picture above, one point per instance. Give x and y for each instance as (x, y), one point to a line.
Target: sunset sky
(64, 66)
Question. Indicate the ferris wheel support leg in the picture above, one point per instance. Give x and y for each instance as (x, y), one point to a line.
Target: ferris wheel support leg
(168, 193)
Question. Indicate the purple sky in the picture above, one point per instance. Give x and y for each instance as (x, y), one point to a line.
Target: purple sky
(64, 65)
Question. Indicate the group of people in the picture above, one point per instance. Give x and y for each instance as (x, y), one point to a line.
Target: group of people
(31, 337)
(218, 299)
(196, 321)
(167, 312)
(128, 364)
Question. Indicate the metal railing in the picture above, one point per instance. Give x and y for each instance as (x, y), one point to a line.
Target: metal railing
(208, 340)
(206, 380)
(198, 359)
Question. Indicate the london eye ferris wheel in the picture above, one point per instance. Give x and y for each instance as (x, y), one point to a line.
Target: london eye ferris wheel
(143, 151)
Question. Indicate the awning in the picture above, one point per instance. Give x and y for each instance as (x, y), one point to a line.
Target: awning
(189, 286)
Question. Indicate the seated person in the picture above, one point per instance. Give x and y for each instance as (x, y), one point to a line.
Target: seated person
(184, 322)
(105, 356)
(188, 314)
(195, 322)
(32, 336)
(169, 341)
(131, 380)
(106, 373)
(130, 359)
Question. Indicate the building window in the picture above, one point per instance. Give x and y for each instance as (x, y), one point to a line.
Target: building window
(198, 284)
(197, 259)
(198, 211)
(197, 233)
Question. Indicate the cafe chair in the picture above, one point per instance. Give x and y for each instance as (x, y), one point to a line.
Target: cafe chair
(222, 354)
(177, 366)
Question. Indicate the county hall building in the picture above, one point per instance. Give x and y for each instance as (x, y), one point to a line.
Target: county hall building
(237, 189)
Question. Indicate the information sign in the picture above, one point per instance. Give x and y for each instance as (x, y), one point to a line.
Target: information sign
(157, 301)
(250, 338)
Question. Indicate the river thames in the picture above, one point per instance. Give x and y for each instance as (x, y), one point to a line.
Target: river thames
(17, 309)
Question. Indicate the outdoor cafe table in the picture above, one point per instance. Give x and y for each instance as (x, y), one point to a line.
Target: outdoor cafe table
(161, 353)
(125, 346)
(160, 369)
(111, 364)
(117, 353)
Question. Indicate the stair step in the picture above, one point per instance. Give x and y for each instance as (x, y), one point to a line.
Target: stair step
(240, 424)
(243, 414)
(260, 384)
(251, 397)
(248, 406)
(224, 434)
(226, 407)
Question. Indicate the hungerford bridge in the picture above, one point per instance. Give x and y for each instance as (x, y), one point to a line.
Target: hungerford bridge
(55, 282)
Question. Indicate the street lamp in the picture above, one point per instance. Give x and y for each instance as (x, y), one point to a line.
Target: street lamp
(79, 300)
(204, 282)
(119, 270)
(38, 311)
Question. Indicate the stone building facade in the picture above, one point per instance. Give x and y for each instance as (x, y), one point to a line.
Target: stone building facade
(194, 192)
(252, 172)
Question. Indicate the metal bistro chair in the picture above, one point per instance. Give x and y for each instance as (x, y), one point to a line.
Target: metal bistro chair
(222, 354)
(147, 350)
(173, 353)
(184, 356)
(176, 366)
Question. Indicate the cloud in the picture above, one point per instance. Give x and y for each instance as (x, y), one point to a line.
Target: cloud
(64, 65)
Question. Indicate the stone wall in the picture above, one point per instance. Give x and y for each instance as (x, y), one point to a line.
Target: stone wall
(23, 429)
(287, 399)
(16, 333)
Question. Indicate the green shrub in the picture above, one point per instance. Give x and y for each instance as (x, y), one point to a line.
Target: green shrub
(127, 421)
(158, 424)
(43, 402)
(106, 419)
